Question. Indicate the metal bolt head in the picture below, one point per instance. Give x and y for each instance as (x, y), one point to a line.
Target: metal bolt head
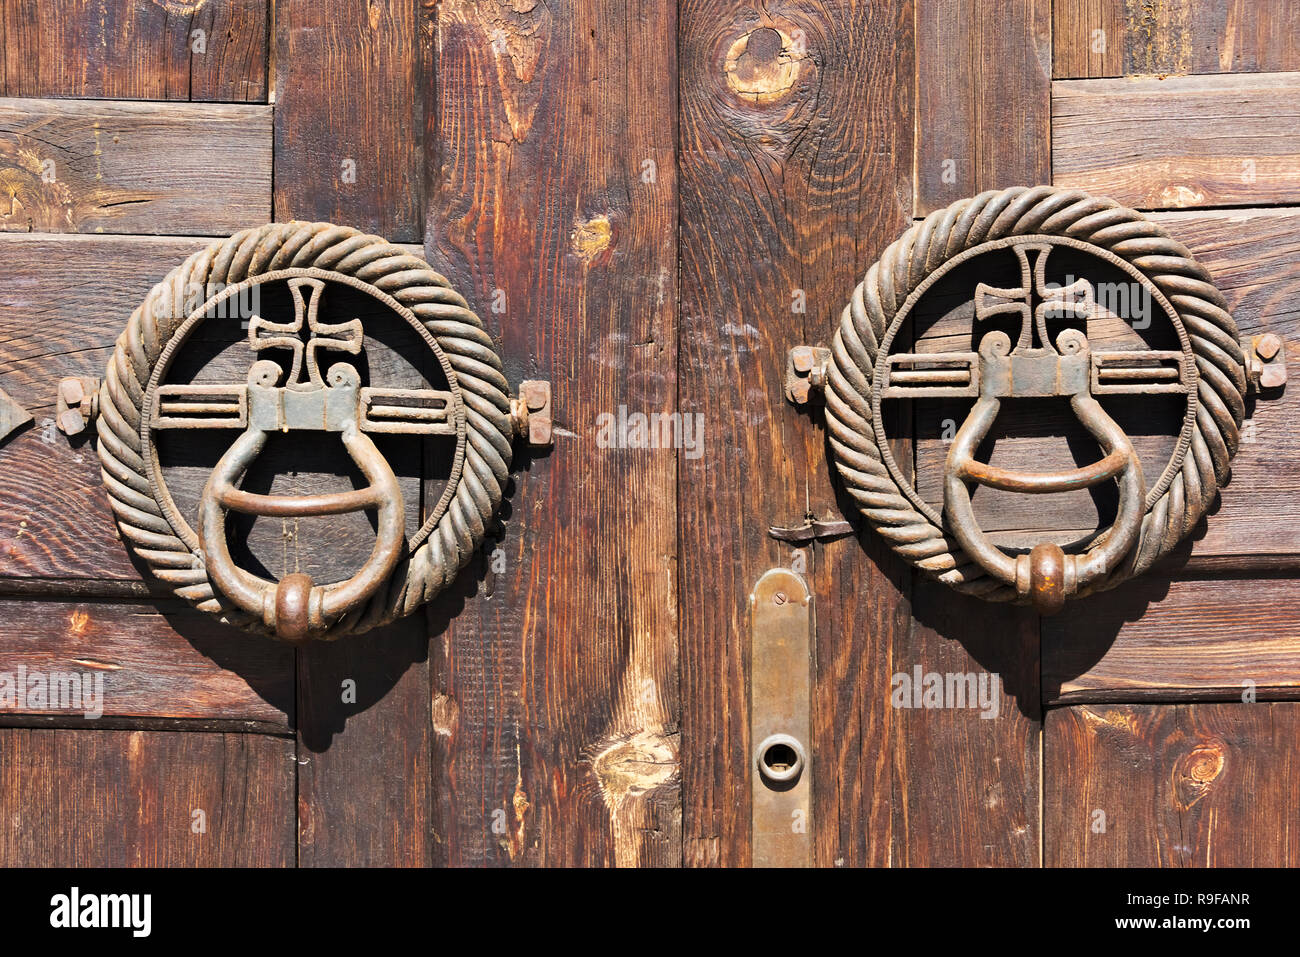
(802, 358)
(1273, 375)
(72, 391)
(1267, 346)
(72, 422)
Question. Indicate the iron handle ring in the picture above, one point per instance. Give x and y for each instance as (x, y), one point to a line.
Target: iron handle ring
(1046, 574)
(295, 607)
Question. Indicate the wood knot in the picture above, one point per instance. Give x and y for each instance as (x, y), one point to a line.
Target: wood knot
(764, 65)
(1195, 772)
(592, 239)
(633, 766)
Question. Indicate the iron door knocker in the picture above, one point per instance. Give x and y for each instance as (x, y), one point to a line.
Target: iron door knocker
(320, 391)
(1209, 373)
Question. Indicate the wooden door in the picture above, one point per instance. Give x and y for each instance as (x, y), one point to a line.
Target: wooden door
(648, 203)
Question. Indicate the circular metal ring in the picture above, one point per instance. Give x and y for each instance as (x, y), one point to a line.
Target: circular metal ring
(780, 775)
(147, 518)
(1101, 227)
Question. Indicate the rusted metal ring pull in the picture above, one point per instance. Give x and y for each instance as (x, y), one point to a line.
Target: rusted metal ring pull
(1209, 374)
(314, 385)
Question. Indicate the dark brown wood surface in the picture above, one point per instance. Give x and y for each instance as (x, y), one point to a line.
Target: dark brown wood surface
(553, 195)
(136, 798)
(1157, 639)
(1189, 785)
(349, 97)
(92, 166)
(983, 76)
(135, 49)
(1177, 142)
(580, 695)
(1098, 38)
(161, 661)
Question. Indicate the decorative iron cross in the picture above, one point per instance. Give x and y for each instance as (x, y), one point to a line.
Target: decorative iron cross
(300, 403)
(342, 336)
(1034, 299)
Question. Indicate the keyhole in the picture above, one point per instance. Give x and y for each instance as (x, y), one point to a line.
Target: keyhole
(780, 760)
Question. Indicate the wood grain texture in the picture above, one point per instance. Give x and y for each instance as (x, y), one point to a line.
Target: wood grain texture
(1157, 639)
(162, 660)
(966, 779)
(1177, 142)
(349, 115)
(983, 78)
(554, 197)
(1174, 36)
(127, 799)
(795, 175)
(135, 49)
(364, 750)
(93, 166)
(1088, 38)
(1190, 785)
(63, 302)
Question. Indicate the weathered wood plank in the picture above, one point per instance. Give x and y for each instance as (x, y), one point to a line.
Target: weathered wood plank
(1088, 38)
(1160, 143)
(93, 166)
(983, 78)
(795, 175)
(1192, 785)
(1175, 36)
(966, 762)
(364, 750)
(1156, 639)
(349, 115)
(89, 798)
(162, 660)
(135, 49)
(1252, 255)
(63, 302)
(553, 210)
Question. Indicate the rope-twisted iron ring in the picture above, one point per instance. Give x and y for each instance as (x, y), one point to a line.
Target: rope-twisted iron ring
(1216, 405)
(476, 377)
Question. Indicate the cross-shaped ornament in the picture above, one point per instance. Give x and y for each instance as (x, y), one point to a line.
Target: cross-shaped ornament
(341, 336)
(1034, 300)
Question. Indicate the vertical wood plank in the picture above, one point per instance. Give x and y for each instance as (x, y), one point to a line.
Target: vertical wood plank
(349, 113)
(364, 750)
(795, 175)
(91, 798)
(1189, 785)
(135, 49)
(983, 77)
(1088, 38)
(966, 790)
(554, 211)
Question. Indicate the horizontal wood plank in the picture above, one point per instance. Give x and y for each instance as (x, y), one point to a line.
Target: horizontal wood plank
(1157, 639)
(1177, 142)
(94, 166)
(1099, 38)
(1194, 785)
(88, 798)
(135, 49)
(129, 659)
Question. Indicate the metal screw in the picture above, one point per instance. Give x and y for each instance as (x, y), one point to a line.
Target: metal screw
(779, 598)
